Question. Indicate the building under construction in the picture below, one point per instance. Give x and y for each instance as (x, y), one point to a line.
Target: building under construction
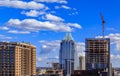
(97, 53)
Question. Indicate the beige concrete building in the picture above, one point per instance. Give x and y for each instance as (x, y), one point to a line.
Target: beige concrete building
(82, 62)
(55, 66)
(17, 59)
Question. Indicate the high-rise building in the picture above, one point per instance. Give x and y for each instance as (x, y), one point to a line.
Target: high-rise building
(17, 59)
(67, 54)
(82, 62)
(97, 53)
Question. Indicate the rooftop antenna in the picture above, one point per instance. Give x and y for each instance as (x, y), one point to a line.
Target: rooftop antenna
(103, 23)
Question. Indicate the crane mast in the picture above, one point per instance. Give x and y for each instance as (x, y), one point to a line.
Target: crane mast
(103, 23)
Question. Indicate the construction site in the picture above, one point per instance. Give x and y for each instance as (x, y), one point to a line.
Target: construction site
(97, 53)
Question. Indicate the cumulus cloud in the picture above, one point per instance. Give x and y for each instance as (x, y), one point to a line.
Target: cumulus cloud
(74, 25)
(115, 56)
(40, 58)
(52, 1)
(18, 32)
(22, 4)
(115, 39)
(45, 60)
(80, 49)
(4, 28)
(63, 6)
(53, 17)
(116, 60)
(3, 37)
(33, 13)
(35, 25)
(49, 46)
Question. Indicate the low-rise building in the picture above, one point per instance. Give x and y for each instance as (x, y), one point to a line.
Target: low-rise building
(53, 71)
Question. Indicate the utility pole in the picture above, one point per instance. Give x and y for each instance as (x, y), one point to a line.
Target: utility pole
(103, 23)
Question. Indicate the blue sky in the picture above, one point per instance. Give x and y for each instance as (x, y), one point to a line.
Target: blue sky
(44, 24)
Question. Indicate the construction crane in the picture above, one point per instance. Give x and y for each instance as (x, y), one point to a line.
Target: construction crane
(103, 23)
(52, 60)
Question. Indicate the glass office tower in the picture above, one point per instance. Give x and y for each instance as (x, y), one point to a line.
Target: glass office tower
(67, 54)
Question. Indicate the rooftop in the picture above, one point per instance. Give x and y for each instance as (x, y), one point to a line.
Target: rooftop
(68, 36)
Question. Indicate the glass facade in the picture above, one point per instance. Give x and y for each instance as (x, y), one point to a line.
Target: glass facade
(67, 54)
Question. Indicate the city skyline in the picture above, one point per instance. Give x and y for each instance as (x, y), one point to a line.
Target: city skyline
(44, 23)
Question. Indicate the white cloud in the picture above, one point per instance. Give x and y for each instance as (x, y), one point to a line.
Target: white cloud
(57, 57)
(49, 46)
(52, 1)
(22, 4)
(74, 13)
(74, 9)
(3, 37)
(115, 56)
(18, 32)
(40, 58)
(33, 13)
(57, 7)
(115, 59)
(9, 0)
(111, 29)
(80, 49)
(43, 60)
(74, 25)
(4, 28)
(63, 6)
(118, 45)
(35, 25)
(115, 39)
(53, 17)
